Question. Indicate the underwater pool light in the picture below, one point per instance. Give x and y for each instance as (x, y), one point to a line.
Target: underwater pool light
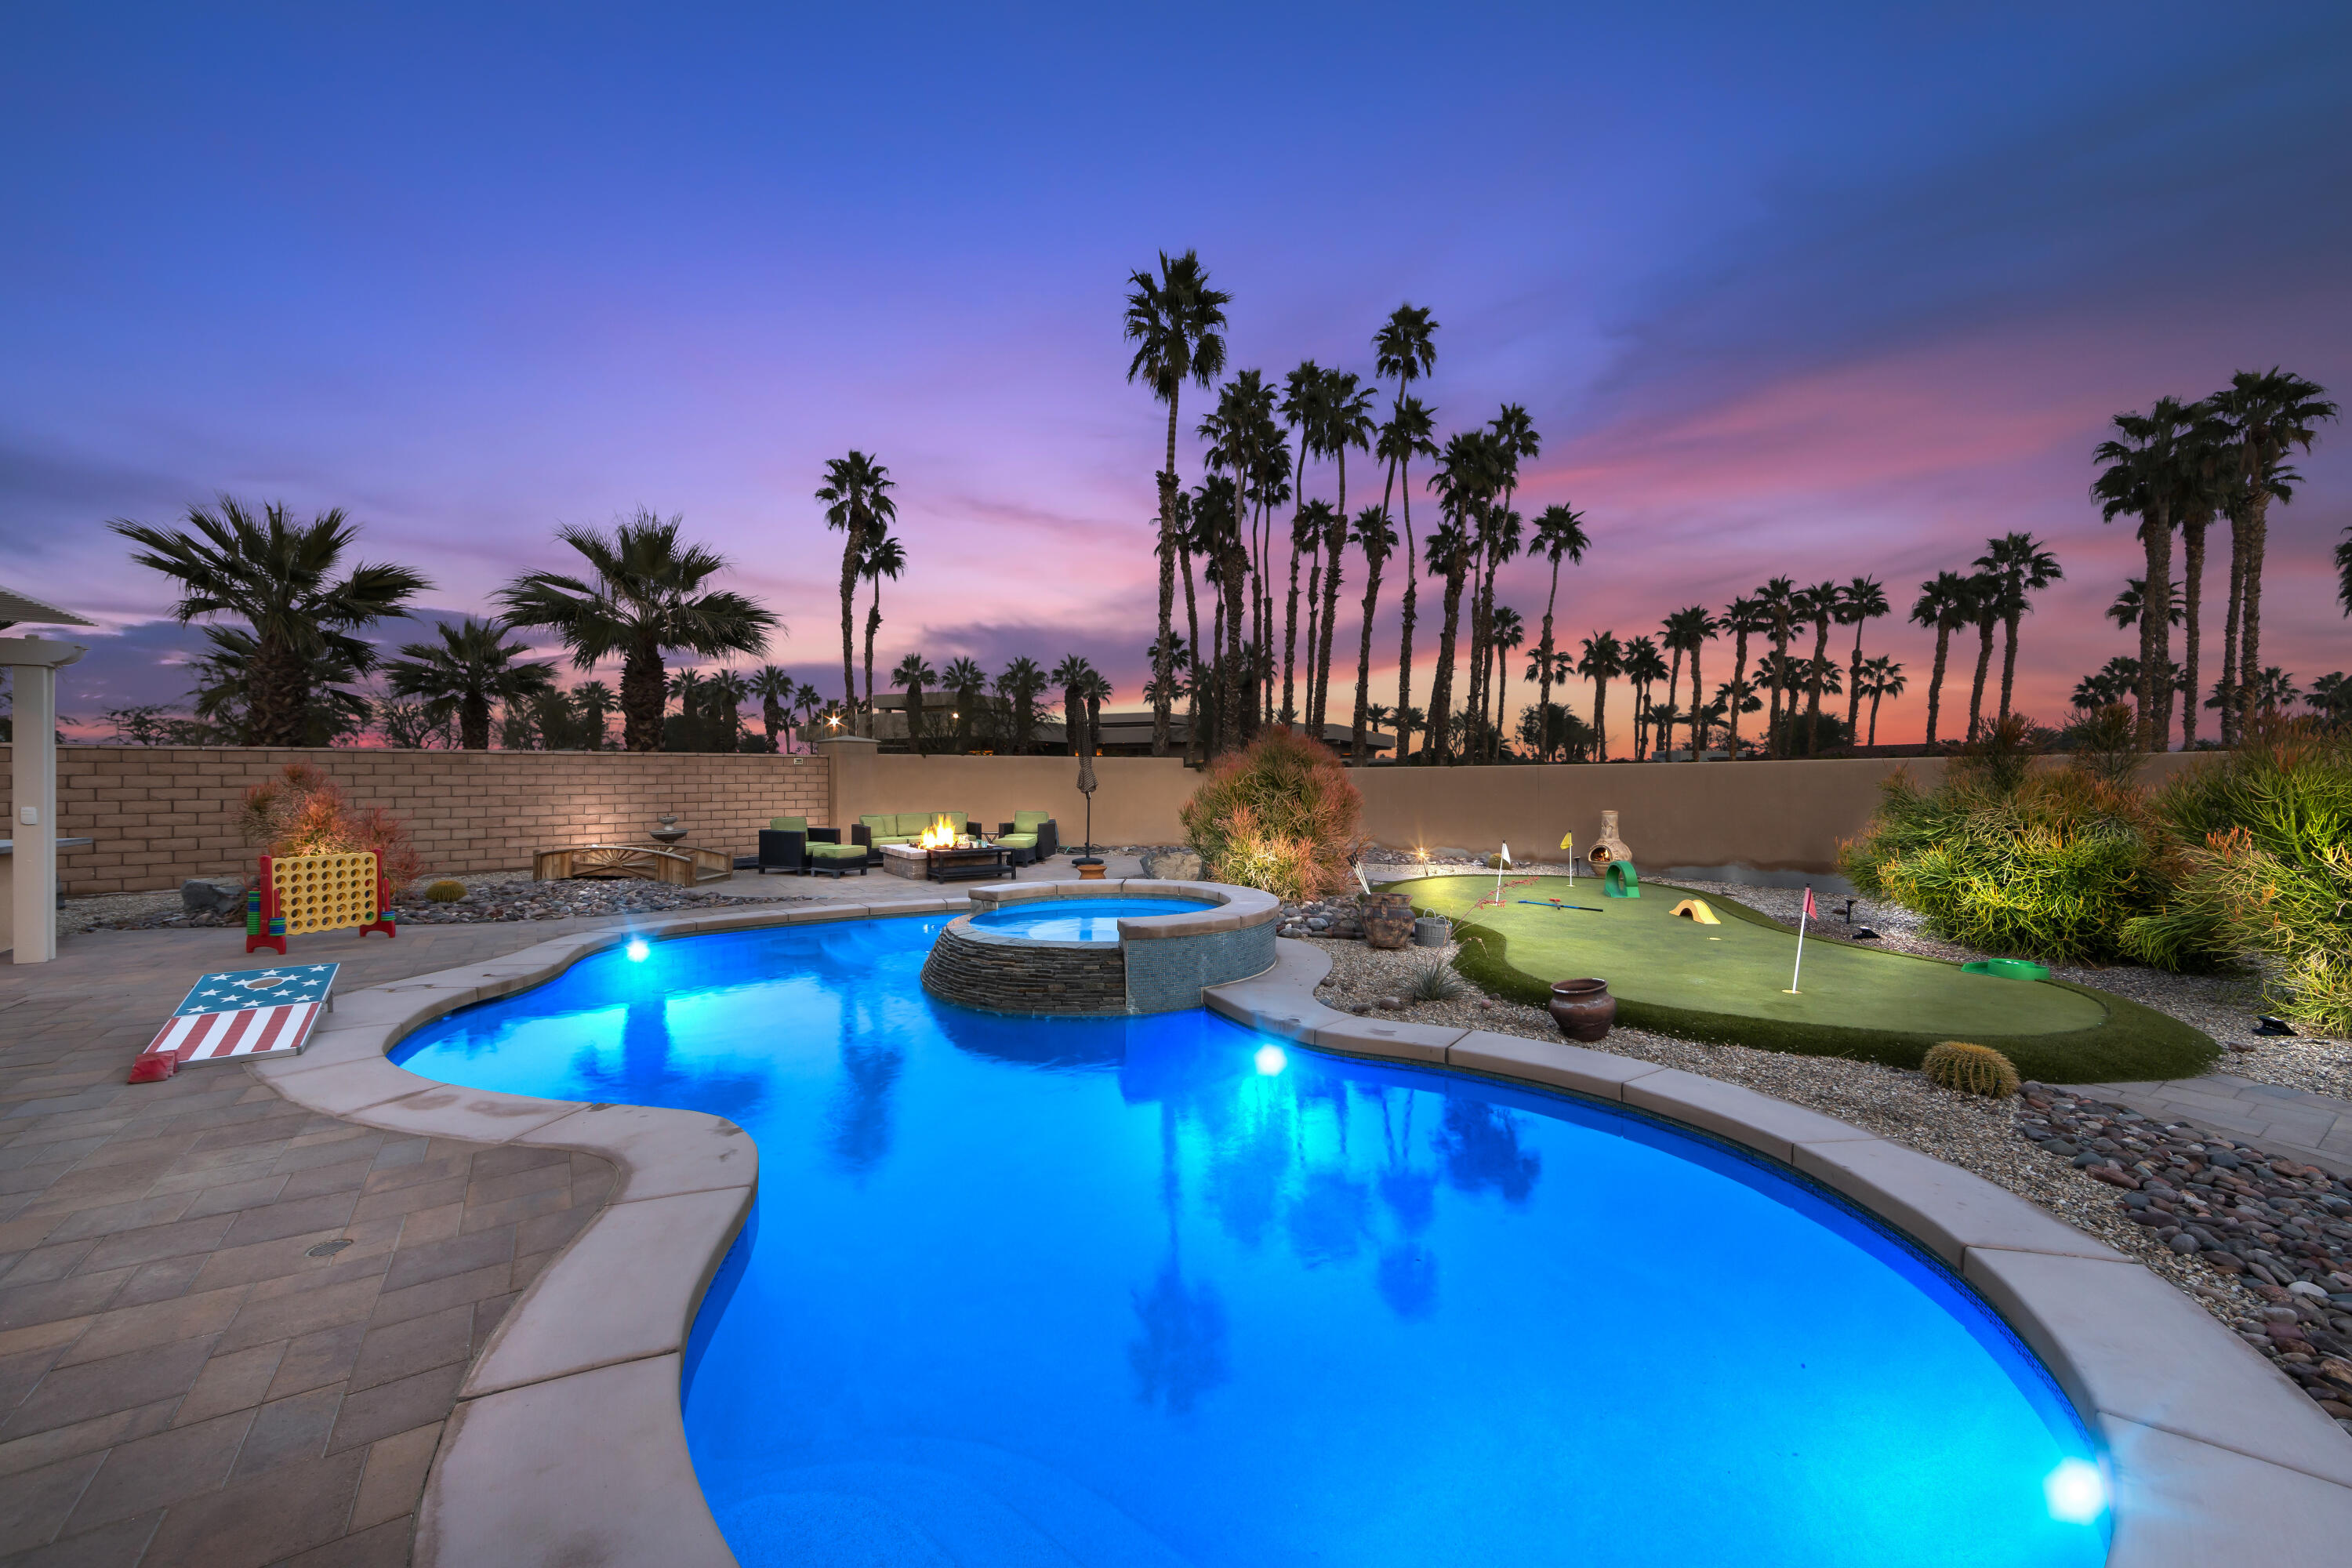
(1270, 1060)
(2077, 1492)
(637, 949)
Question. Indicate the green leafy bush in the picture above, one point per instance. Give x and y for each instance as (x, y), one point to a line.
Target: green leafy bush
(2263, 839)
(2049, 867)
(1280, 815)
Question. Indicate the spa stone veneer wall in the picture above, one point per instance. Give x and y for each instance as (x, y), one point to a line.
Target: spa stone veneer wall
(1159, 965)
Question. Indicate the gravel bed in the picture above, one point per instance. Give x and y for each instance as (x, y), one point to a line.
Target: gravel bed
(1973, 1132)
(489, 897)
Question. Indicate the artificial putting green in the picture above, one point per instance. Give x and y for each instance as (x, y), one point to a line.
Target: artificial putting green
(1730, 981)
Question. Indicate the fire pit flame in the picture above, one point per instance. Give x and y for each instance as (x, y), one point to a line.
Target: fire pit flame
(939, 835)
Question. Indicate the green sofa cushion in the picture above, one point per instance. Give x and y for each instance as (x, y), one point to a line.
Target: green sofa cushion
(1030, 821)
(882, 838)
(789, 824)
(885, 823)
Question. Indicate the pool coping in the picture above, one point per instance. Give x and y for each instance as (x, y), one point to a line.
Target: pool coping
(568, 1441)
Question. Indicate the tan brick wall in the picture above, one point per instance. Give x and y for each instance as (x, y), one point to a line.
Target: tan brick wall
(164, 814)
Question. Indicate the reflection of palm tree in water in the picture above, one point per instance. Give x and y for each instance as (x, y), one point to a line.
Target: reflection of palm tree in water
(860, 1114)
(1481, 1146)
(1406, 1277)
(1180, 1354)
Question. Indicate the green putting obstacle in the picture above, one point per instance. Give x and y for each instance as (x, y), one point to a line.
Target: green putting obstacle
(1621, 881)
(1729, 982)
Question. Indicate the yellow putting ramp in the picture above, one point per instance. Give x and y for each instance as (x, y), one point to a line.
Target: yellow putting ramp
(1697, 909)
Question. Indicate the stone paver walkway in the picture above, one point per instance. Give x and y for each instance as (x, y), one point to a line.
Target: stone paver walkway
(2313, 1128)
(230, 1328)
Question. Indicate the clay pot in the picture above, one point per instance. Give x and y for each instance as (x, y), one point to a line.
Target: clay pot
(1583, 1009)
(1388, 920)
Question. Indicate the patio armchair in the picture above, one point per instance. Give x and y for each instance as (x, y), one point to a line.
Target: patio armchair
(783, 846)
(830, 855)
(1031, 837)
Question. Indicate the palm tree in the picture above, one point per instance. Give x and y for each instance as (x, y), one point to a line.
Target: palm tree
(1346, 426)
(1816, 606)
(2344, 572)
(808, 702)
(1075, 676)
(1859, 602)
(1376, 538)
(1743, 618)
(1560, 531)
(1465, 482)
(1405, 349)
(1448, 551)
(969, 683)
(1732, 698)
(1306, 408)
(1501, 533)
(723, 698)
(856, 493)
(914, 673)
(1883, 677)
(1603, 659)
(2269, 414)
(226, 678)
(2206, 457)
(460, 677)
(773, 685)
(644, 592)
(1691, 630)
(1508, 636)
(279, 576)
(1779, 598)
(1984, 610)
(594, 703)
(1019, 684)
(1513, 440)
(2022, 567)
(1173, 320)
(1405, 436)
(2144, 477)
(1307, 529)
(1644, 669)
(885, 557)
(1946, 601)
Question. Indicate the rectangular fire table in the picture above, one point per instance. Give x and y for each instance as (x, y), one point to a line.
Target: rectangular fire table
(916, 863)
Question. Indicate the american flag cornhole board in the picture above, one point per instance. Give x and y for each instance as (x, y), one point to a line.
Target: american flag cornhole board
(239, 1014)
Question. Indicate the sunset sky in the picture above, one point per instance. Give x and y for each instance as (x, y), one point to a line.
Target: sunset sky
(1811, 290)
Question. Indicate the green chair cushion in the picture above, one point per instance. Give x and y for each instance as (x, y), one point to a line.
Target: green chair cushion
(789, 824)
(1030, 821)
(837, 851)
(1015, 841)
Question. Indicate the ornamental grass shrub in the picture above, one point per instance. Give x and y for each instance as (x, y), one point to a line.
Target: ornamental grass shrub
(1280, 816)
(304, 812)
(2263, 842)
(2047, 864)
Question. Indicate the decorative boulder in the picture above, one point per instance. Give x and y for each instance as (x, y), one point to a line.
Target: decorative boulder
(201, 896)
(1172, 866)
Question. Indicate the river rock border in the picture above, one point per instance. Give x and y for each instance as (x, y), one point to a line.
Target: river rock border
(568, 1444)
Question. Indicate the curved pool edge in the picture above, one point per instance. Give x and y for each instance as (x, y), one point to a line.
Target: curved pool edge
(568, 1442)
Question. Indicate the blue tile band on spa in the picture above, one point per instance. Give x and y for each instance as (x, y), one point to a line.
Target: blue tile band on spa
(1157, 1290)
(1100, 949)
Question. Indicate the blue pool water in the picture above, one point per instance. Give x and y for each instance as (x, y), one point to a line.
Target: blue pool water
(1158, 1290)
(1080, 919)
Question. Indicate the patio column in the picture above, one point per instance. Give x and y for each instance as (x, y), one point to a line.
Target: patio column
(33, 664)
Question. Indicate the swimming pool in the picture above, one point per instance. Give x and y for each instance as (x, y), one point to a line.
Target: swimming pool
(1078, 920)
(1157, 1290)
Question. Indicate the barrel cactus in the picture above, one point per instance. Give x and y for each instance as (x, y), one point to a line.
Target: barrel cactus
(1971, 1069)
(446, 891)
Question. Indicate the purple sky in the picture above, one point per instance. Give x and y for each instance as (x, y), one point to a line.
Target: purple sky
(1832, 294)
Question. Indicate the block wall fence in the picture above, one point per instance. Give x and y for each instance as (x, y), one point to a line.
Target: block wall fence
(162, 813)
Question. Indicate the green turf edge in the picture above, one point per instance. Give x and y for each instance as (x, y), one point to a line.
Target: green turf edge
(2135, 1044)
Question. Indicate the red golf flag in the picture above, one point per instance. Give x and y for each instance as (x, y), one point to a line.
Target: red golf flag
(1810, 914)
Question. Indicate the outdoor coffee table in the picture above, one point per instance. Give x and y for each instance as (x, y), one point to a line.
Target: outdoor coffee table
(976, 865)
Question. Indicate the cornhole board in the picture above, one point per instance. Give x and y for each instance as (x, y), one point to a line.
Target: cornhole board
(240, 1014)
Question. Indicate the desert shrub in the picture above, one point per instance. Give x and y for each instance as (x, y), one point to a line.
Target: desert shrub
(2264, 841)
(446, 891)
(2050, 866)
(1971, 1069)
(304, 812)
(1280, 816)
(1432, 979)
(2106, 744)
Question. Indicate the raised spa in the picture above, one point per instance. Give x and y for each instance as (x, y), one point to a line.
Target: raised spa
(1155, 1289)
(1078, 920)
(1100, 948)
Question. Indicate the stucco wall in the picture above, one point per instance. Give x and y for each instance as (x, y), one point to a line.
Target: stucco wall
(164, 814)
(1135, 798)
